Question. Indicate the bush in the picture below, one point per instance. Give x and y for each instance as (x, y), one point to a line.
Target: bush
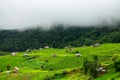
(64, 72)
(42, 67)
(91, 66)
(46, 60)
(85, 65)
(51, 69)
(8, 67)
(95, 57)
(56, 74)
(1, 70)
(77, 51)
(32, 57)
(116, 65)
(3, 53)
(115, 57)
(47, 77)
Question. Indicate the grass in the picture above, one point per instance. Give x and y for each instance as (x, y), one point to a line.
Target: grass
(30, 68)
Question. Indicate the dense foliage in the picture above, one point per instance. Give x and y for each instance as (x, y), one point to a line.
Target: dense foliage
(91, 66)
(57, 37)
(117, 64)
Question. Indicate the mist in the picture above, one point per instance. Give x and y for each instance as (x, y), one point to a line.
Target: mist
(20, 14)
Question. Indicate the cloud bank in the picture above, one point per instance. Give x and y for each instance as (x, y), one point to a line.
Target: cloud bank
(23, 13)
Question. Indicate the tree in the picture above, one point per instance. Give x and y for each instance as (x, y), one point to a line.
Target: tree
(91, 66)
(85, 65)
(116, 65)
(57, 37)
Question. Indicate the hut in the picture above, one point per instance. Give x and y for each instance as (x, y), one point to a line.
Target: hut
(7, 72)
(96, 45)
(15, 70)
(46, 47)
(102, 70)
(25, 55)
(78, 55)
(13, 53)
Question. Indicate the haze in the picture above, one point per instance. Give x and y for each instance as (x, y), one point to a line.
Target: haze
(24, 13)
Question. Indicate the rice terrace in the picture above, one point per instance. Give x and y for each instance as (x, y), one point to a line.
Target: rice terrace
(41, 65)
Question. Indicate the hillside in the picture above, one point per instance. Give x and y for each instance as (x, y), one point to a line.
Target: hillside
(58, 37)
(40, 65)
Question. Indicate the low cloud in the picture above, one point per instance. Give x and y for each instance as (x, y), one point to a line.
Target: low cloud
(23, 13)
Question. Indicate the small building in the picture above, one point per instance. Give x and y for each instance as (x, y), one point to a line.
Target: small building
(7, 72)
(96, 45)
(46, 47)
(102, 70)
(40, 48)
(25, 55)
(15, 70)
(13, 53)
(78, 55)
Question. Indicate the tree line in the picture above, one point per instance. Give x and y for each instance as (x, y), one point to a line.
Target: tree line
(57, 37)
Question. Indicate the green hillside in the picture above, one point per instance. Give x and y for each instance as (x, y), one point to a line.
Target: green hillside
(41, 65)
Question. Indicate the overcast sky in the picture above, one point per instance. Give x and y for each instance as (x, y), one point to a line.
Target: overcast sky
(21, 13)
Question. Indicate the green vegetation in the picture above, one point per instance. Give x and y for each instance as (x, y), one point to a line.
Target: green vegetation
(41, 65)
(57, 37)
(91, 66)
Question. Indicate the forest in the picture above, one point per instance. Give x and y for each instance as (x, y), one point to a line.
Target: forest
(57, 36)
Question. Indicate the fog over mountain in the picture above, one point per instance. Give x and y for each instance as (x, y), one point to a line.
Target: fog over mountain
(23, 13)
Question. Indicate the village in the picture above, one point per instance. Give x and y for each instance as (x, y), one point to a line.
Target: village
(69, 60)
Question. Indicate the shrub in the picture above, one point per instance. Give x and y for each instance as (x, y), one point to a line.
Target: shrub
(91, 66)
(8, 67)
(42, 67)
(1, 70)
(51, 69)
(64, 72)
(115, 57)
(85, 65)
(46, 60)
(74, 70)
(95, 57)
(116, 65)
(32, 57)
(77, 51)
(47, 77)
(112, 78)
(90, 78)
(92, 69)
(56, 74)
